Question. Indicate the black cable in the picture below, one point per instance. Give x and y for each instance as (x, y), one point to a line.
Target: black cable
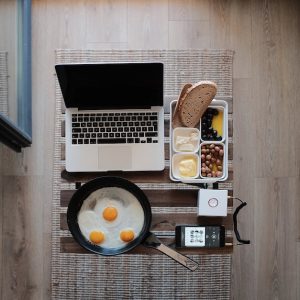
(238, 199)
(235, 223)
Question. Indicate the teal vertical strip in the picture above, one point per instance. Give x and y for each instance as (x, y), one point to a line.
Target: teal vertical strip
(24, 92)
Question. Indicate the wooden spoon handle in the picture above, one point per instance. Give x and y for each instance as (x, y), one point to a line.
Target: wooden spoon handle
(182, 259)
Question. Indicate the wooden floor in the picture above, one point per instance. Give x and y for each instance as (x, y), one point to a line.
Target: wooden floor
(266, 38)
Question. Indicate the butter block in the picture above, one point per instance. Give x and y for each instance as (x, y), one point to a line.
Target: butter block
(188, 167)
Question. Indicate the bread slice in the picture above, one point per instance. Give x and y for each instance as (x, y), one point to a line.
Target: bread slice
(195, 101)
(176, 122)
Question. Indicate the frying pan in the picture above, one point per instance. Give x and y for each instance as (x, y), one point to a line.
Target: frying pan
(145, 237)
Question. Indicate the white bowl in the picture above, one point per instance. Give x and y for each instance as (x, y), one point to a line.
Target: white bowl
(224, 162)
(187, 143)
(179, 157)
(224, 122)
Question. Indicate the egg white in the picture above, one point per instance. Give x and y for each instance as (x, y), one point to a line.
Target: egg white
(130, 215)
(88, 221)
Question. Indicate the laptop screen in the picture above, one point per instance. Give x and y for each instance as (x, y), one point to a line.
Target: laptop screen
(114, 85)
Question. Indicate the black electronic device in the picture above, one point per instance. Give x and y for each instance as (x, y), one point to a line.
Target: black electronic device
(200, 236)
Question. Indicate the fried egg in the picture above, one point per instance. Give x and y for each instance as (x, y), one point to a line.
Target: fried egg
(111, 217)
(127, 235)
(110, 211)
(90, 225)
(96, 237)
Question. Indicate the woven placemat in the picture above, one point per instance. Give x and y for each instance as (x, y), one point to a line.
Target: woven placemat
(139, 276)
(3, 83)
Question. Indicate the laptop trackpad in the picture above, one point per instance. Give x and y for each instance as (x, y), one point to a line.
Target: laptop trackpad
(115, 157)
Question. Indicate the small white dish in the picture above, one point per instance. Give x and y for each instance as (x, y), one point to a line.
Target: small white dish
(186, 139)
(184, 164)
(224, 122)
(224, 161)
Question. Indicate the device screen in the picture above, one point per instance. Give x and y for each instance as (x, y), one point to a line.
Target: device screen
(200, 236)
(114, 85)
(194, 236)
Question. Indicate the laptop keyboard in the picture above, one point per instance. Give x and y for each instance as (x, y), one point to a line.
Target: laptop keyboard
(115, 128)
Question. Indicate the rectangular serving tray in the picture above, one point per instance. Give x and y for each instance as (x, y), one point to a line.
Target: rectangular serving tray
(214, 104)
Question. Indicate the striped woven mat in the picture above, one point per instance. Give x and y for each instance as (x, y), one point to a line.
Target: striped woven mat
(144, 273)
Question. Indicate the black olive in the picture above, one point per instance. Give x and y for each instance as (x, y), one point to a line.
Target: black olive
(209, 110)
(204, 125)
(204, 136)
(219, 138)
(215, 133)
(215, 112)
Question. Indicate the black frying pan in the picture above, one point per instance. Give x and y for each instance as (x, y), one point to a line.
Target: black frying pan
(145, 237)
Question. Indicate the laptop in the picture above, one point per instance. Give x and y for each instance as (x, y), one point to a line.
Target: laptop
(114, 116)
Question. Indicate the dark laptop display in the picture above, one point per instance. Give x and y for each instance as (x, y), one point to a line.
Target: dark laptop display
(106, 86)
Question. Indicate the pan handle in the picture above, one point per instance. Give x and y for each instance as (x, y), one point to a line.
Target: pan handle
(182, 259)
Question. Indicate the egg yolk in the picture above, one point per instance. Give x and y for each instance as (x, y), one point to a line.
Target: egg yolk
(110, 213)
(96, 237)
(127, 235)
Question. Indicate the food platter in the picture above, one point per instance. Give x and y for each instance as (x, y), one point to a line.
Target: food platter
(200, 154)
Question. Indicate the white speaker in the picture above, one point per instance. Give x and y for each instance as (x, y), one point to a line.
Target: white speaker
(212, 203)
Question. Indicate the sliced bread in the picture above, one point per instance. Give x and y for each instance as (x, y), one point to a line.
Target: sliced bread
(176, 121)
(194, 102)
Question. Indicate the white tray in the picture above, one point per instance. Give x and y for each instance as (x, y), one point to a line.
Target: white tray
(214, 104)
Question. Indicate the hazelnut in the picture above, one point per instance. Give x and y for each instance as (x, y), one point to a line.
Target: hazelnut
(217, 148)
(221, 152)
(220, 168)
(208, 157)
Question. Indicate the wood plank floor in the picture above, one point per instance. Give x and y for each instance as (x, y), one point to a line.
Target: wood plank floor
(266, 38)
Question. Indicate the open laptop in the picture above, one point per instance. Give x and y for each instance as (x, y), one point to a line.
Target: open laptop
(114, 116)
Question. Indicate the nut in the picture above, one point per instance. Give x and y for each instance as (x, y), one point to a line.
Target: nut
(212, 160)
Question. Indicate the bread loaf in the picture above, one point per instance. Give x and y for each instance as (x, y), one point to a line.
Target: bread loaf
(195, 101)
(176, 122)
